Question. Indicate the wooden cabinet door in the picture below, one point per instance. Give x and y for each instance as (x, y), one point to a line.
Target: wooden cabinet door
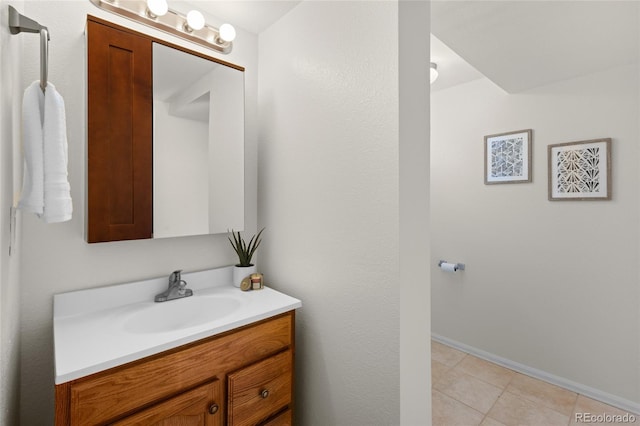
(201, 406)
(119, 126)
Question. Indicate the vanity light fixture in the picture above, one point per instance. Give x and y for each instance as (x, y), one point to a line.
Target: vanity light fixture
(156, 8)
(433, 72)
(227, 32)
(195, 21)
(157, 14)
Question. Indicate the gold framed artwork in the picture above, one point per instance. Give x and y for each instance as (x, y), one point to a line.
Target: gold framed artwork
(580, 170)
(507, 157)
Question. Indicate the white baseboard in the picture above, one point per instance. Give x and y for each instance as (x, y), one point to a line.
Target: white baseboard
(607, 398)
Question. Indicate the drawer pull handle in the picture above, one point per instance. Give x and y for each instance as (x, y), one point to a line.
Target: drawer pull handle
(213, 408)
(264, 393)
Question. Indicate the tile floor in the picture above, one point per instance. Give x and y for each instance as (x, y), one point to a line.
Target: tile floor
(469, 391)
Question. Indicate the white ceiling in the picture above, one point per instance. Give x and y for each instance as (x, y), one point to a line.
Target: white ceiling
(517, 44)
(520, 45)
(452, 69)
(252, 15)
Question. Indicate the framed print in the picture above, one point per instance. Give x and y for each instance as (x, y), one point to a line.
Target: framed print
(580, 170)
(507, 157)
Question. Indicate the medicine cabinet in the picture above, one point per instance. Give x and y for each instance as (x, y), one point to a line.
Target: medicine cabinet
(165, 152)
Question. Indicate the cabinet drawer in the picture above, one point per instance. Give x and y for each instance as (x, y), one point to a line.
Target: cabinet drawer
(260, 390)
(282, 419)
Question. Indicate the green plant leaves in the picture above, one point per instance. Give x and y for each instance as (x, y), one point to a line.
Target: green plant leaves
(243, 250)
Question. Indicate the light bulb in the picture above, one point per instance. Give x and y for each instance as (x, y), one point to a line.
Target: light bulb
(227, 32)
(195, 20)
(157, 7)
(433, 72)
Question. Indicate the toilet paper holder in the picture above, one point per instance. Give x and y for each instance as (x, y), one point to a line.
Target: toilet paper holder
(457, 266)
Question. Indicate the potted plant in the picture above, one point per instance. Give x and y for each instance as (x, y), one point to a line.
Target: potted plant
(245, 252)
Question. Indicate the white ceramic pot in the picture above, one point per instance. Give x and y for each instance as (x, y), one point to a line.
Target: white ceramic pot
(242, 272)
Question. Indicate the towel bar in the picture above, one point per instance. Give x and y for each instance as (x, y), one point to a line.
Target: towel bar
(19, 24)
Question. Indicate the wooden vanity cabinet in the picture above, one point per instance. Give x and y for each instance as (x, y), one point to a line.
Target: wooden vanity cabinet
(242, 377)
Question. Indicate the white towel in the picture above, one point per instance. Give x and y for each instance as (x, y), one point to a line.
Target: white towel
(32, 198)
(57, 192)
(46, 182)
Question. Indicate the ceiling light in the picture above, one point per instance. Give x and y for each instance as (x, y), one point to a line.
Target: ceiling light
(195, 21)
(157, 14)
(157, 8)
(433, 72)
(227, 32)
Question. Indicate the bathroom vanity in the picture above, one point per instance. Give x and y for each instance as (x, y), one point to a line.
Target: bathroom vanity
(175, 363)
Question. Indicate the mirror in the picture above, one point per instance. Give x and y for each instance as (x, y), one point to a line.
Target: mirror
(198, 145)
(165, 138)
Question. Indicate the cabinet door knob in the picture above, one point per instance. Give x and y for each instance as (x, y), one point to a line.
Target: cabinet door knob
(213, 408)
(264, 393)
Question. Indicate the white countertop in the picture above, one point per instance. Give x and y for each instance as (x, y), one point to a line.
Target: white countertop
(92, 329)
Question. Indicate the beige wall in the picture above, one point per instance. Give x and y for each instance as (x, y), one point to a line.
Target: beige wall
(414, 200)
(551, 285)
(10, 93)
(56, 258)
(328, 195)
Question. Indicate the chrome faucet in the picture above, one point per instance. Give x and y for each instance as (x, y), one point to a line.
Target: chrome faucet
(177, 288)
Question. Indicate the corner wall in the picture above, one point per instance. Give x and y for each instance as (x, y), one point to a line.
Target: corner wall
(328, 196)
(55, 257)
(10, 95)
(415, 285)
(551, 285)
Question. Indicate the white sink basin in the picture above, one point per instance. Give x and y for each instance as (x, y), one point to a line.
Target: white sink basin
(105, 327)
(183, 313)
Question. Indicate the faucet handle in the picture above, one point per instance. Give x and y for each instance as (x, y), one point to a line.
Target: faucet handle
(182, 287)
(175, 277)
